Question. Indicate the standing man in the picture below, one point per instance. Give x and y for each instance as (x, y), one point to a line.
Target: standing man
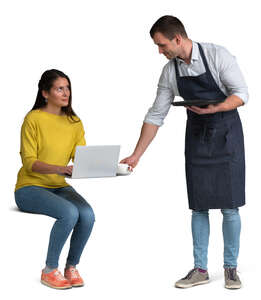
(214, 147)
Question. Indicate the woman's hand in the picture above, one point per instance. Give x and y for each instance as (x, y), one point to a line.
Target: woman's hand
(65, 170)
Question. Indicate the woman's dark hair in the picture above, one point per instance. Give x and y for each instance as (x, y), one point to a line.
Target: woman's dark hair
(169, 26)
(45, 84)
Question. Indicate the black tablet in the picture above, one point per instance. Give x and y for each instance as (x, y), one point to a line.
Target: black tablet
(200, 103)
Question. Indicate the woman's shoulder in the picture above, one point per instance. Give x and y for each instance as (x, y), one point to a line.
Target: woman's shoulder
(32, 115)
(78, 125)
(75, 120)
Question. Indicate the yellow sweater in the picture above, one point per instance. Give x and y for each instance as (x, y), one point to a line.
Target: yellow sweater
(51, 139)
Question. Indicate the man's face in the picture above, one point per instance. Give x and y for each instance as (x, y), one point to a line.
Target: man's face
(167, 47)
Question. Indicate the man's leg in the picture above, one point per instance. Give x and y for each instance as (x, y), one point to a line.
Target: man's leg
(200, 233)
(231, 234)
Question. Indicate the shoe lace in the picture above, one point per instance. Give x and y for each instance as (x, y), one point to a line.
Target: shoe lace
(58, 275)
(74, 273)
(232, 274)
(189, 275)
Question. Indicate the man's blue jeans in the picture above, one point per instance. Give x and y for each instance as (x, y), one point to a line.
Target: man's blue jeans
(231, 234)
(72, 213)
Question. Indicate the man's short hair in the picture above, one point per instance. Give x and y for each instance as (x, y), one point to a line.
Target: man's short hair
(169, 26)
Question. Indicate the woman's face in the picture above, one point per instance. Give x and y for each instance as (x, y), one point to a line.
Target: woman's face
(59, 93)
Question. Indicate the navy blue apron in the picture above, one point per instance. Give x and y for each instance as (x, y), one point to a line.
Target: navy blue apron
(214, 147)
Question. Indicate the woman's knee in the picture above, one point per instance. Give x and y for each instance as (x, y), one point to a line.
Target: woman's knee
(71, 215)
(87, 214)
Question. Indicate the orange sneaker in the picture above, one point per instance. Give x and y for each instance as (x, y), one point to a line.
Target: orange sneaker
(55, 280)
(73, 276)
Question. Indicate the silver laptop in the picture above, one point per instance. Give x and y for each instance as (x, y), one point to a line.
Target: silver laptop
(95, 161)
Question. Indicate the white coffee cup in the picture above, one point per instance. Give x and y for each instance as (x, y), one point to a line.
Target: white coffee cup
(123, 169)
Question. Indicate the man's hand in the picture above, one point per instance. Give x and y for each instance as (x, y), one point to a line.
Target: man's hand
(132, 161)
(232, 102)
(210, 109)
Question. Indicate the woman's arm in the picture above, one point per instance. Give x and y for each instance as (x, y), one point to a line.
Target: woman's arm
(43, 168)
(80, 139)
(29, 153)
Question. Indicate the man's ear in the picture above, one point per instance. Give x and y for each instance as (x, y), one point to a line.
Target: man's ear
(178, 38)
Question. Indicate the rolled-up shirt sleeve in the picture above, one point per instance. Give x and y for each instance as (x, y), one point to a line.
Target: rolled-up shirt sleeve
(28, 148)
(165, 95)
(231, 76)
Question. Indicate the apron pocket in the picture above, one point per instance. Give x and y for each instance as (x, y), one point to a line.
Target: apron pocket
(209, 185)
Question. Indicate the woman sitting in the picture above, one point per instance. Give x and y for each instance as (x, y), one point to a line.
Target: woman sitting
(50, 133)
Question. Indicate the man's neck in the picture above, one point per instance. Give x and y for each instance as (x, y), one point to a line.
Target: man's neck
(186, 51)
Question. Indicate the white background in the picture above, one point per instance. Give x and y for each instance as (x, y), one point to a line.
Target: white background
(141, 243)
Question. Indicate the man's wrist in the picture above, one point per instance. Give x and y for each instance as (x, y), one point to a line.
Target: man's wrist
(136, 156)
(222, 107)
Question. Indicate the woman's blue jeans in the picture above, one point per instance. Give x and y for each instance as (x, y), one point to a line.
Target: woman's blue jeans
(72, 213)
(231, 235)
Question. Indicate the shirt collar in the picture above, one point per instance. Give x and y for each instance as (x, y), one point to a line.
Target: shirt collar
(194, 55)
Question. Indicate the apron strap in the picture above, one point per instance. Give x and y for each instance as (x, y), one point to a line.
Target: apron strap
(176, 68)
(203, 58)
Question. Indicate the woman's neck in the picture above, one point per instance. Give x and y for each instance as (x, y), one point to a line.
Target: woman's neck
(56, 110)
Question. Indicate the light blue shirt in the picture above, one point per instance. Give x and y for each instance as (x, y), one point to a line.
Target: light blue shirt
(223, 67)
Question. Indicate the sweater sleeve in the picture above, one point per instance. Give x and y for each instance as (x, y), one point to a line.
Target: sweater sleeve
(28, 149)
(80, 139)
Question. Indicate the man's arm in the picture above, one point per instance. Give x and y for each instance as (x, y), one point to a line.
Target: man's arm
(232, 78)
(148, 132)
(154, 118)
(232, 102)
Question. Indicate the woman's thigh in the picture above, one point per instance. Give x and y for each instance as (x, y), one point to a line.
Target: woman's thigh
(70, 194)
(44, 201)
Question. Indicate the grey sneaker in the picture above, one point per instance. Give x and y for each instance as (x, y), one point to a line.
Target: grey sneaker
(232, 280)
(194, 277)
